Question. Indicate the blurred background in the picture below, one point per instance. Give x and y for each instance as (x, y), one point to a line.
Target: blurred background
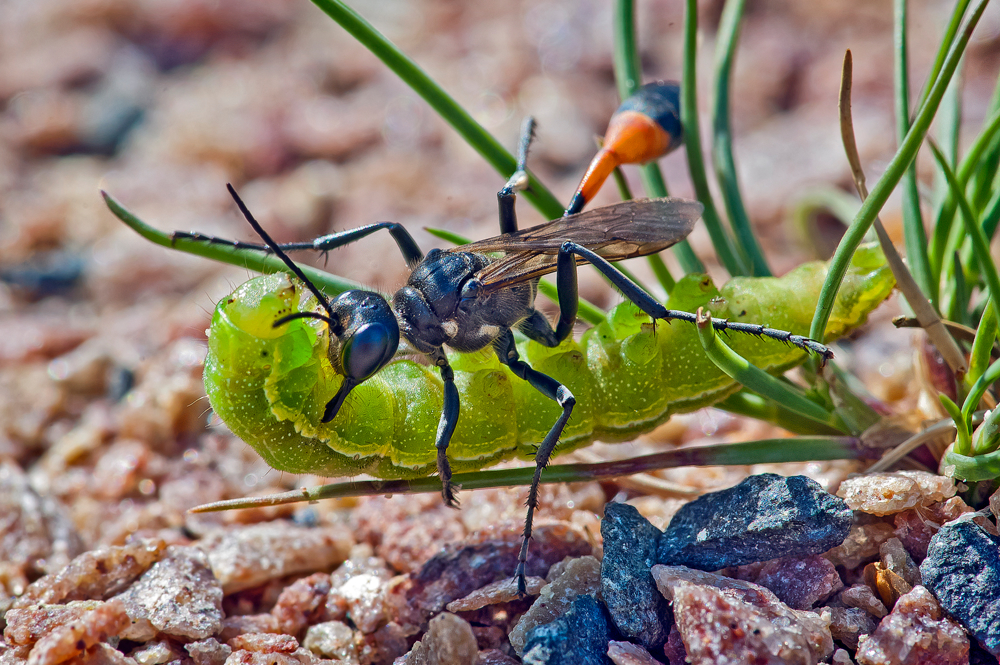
(162, 102)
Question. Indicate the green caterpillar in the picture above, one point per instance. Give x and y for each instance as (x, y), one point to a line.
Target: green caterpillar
(271, 385)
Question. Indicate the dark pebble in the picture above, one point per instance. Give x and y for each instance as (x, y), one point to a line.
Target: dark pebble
(579, 637)
(962, 570)
(636, 606)
(46, 274)
(763, 518)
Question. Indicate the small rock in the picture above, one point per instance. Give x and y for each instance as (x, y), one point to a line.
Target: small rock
(264, 643)
(105, 620)
(579, 637)
(725, 620)
(332, 639)
(764, 517)
(915, 528)
(626, 653)
(448, 641)
(156, 653)
(179, 595)
(579, 576)
(880, 493)
(888, 493)
(300, 603)
(863, 597)
(249, 556)
(674, 648)
(862, 543)
(848, 624)
(897, 559)
(636, 606)
(501, 591)
(915, 633)
(461, 568)
(208, 652)
(841, 657)
(357, 592)
(94, 575)
(799, 582)
(962, 570)
(36, 534)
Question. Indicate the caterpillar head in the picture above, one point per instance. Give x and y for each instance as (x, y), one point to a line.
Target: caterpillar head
(362, 323)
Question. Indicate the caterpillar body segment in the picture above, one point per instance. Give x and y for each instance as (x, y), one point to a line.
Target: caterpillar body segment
(271, 385)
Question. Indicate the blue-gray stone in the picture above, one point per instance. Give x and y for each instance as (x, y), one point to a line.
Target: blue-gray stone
(763, 518)
(636, 606)
(579, 637)
(962, 570)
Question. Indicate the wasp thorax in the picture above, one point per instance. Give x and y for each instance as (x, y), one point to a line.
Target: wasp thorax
(417, 321)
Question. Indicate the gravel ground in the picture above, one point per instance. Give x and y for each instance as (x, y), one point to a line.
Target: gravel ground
(105, 438)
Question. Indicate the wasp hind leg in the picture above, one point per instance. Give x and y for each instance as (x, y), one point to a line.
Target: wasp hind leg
(507, 353)
(537, 327)
(649, 304)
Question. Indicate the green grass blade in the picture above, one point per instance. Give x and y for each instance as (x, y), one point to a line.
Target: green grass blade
(748, 404)
(986, 439)
(662, 273)
(723, 244)
(623, 189)
(329, 283)
(628, 75)
(890, 178)
(587, 311)
(982, 346)
(914, 234)
(443, 104)
(948, 119)
(758, 380)
(963, 442)
(980, 245)
(981, 185)
(628, 70)
(970, 166)
(940, 59)
(976, 392)
(449, 237)
(765, 451)
(990, 220)
(957, 306)
(722, 138)
(915, 298)
(974, 469)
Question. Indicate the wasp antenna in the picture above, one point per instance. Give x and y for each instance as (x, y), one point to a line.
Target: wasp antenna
(333, 323)
(273, 246)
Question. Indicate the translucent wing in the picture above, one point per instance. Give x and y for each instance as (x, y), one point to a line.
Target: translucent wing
(620, 231)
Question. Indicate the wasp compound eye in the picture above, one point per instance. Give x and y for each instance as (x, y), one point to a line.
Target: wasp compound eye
(368, 350)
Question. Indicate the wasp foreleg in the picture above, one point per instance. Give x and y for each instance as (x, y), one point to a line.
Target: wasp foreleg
(407, 245)
(446, 428)
(507, 353)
